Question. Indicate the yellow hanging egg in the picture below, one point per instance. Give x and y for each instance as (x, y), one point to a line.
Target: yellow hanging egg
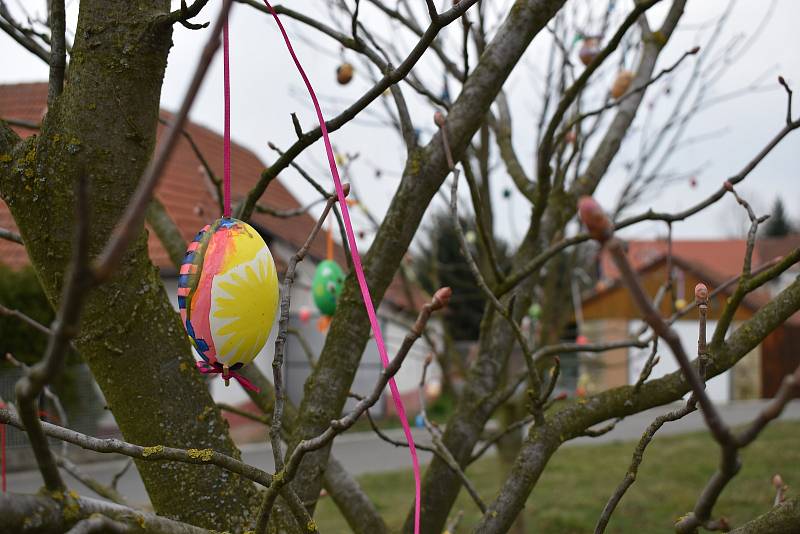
(228, 293)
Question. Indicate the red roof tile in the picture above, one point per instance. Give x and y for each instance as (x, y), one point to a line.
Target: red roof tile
(721, 258)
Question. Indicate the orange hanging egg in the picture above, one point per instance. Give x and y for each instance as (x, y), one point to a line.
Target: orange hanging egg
(621, 84)
(344, 73)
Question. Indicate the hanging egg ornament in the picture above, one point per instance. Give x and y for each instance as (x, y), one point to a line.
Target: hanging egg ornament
(419, 421)
(344, 73)
(304, 314)
(327, 286)
(535, 311)
(228, 293)
(621, 84)
(589, 50)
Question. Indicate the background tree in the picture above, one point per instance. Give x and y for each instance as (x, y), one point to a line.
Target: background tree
(778, 224)
(103, 110)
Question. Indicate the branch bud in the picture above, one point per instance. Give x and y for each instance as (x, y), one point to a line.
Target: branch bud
(439, 119)
(728, 185)
(694, 50)
(595, 219)
(701, 292)
(441, 298)
(346, 189)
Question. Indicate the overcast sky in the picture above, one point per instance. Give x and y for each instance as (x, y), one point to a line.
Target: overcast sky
(720, 139)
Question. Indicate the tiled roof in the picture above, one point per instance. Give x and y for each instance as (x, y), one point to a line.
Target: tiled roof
(720, 258)
(715, 262)
(184, 190)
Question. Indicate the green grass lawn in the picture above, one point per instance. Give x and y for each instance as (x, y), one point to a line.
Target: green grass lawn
(578, 481)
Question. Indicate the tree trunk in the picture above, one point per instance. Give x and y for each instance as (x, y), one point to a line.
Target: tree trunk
(103, 127)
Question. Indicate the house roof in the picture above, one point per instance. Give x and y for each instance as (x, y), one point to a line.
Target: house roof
(721, 259)
(713, 262)
(184, 189)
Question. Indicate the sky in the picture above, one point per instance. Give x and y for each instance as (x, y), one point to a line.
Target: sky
(743, 107)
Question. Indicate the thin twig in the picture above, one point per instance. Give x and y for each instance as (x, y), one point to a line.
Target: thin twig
(389, 78)
(58, 50)
(102, 490)
(633, 468)
(11, 236)
(440, 299)
(280, 340)
(119, 474)
(436, 437)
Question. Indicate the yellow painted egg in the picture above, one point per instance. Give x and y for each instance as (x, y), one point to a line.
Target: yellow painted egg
(228, 293)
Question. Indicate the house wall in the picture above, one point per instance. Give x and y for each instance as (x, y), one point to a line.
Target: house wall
(608, 369)
(606, 312)
(616, 303)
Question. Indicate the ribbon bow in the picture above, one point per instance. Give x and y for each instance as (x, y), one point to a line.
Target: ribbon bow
(217, 368)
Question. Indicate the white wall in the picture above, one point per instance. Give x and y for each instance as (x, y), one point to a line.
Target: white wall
(719, 387)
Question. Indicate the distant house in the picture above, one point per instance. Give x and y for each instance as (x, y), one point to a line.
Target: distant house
(188, 196)
(609, 313)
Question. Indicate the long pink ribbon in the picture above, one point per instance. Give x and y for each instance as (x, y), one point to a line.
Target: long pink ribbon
(227, 134)
(362, 282)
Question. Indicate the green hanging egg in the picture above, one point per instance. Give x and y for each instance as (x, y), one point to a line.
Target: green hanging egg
(327, 285)
(535, 311)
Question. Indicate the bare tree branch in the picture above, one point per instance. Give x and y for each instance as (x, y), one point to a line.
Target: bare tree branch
(11, 236)
(58, 50)
(17, 511)
(153, 454)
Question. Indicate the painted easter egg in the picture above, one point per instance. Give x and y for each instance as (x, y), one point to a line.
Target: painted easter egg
(589, 50)
(228, 293)
(621, 84)
(344, 73)
(304, 314)
(326, 286)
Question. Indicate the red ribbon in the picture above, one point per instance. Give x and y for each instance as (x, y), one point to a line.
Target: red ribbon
(217, 368)
(3, 452)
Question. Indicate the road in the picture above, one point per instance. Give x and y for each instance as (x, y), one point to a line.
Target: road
(366, 453)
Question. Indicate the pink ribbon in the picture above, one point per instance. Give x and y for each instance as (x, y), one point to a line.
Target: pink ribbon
(217, 368)
(362, 281)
